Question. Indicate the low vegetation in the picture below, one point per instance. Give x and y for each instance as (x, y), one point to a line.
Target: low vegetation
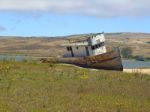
(31, 86)
(140, 58)
(148, 42)
(126, 52)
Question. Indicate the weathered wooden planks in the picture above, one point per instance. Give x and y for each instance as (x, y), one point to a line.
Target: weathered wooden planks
(110, 61)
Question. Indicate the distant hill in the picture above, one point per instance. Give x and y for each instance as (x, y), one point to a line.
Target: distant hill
(50, 46)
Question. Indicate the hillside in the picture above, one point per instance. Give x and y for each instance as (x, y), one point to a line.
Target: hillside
(139, 42)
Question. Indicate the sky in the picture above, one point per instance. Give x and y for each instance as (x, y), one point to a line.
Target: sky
(68, 17)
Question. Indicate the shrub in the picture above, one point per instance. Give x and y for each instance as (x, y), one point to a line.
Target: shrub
(126, 52)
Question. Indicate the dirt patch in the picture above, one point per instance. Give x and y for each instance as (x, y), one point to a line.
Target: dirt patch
(144, 71)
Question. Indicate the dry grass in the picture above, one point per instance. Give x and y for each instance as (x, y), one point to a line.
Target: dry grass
(51, 46)
(137, 41)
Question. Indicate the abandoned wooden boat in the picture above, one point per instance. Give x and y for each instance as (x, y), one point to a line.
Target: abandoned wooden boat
(90, 53)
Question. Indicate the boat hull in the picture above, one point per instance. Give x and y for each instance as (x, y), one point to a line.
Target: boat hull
(109, 61)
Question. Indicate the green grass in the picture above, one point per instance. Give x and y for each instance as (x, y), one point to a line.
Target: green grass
(36, 87)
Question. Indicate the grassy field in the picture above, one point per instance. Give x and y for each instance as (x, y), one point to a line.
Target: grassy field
(31, 86)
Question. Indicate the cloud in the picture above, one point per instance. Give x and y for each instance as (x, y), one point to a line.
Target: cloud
(101, 8)
(2, 29)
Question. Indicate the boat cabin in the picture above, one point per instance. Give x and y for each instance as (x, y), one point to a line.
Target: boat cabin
(91, 46)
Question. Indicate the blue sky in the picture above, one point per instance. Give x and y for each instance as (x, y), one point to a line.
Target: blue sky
(56, 19)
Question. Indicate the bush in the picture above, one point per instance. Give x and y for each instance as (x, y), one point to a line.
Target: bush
(140, 58)
(148, 42)
(126, 52)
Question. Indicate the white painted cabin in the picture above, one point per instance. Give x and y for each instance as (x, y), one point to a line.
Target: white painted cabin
(94, 45)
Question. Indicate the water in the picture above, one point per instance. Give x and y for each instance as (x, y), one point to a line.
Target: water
(17, 58)
(131, 64)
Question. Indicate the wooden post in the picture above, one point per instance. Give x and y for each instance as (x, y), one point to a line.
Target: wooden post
(72, 52)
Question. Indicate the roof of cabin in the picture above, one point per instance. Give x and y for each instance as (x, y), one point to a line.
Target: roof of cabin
(84, 41)
(77, 44)
(83, 38)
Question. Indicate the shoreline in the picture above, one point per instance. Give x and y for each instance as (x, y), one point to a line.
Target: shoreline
(138, 70)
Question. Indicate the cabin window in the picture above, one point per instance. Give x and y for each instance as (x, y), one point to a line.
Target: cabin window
(69, 48)
(92, 47)
(97, 45)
